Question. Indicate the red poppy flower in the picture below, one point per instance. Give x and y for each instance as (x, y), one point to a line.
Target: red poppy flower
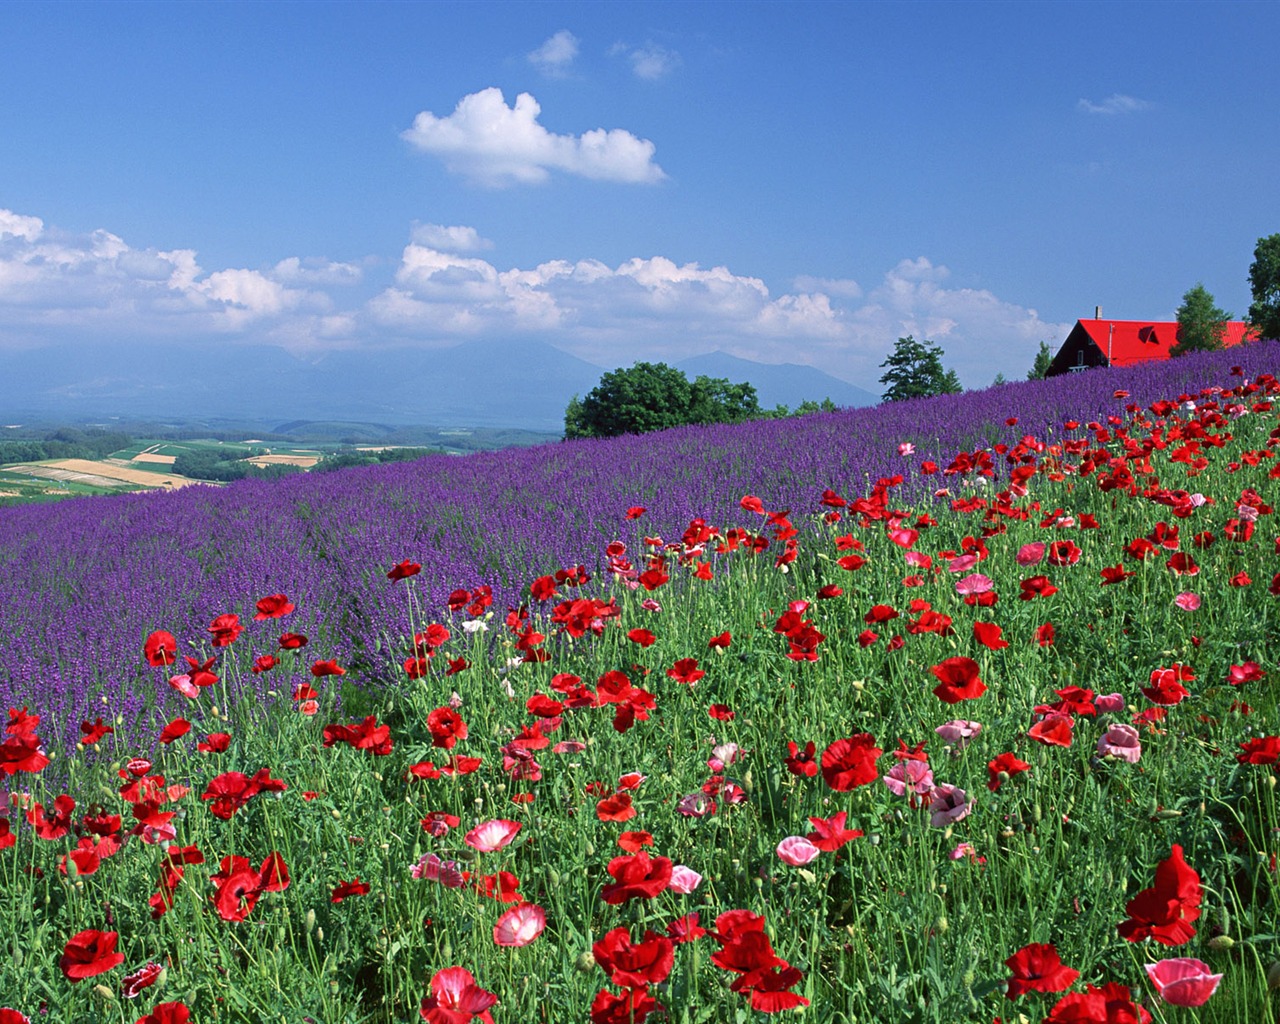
(292, 641)
(1260, 750)
(801, 762)
(634, 841)
(642, 637)
(140, 980)
(214, 743)
(635, 512)
(1036, 586)
(830, 834)
(404, 570)
(1166, 685)
(1063, 552)
(353, 888)
(276, 606)
(456, 999)
(720, 642)
(167, 1013)
(446, 727)
(160, 649)
(327, 668)
(1002, 768)
(225, 629)
(57, 823)
(989, 635)
(615, 808)
(632, 1006)
(1045, 635)
(1114, 574)
(1111, 1004)
(1165, 911)
(957, 680)
(1038, 968)
(638, 876)
(634, 964)
(848, 763)
(721, 712)
(686, 671)
(89, 953)
(1053, 730)
(239, 886)
(366, 735)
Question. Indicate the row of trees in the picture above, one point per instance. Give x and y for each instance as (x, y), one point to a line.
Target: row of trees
(64, 443)
(655, 396)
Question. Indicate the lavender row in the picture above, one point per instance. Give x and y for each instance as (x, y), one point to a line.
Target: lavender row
(83, 582)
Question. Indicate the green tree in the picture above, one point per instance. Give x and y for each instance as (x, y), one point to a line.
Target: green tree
(648, 396)
(1264, 279)
(717, 400)
(1201, 324)
(914, 370)
(1041, 366)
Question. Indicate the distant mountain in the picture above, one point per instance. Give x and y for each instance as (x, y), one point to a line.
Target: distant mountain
(778, 383)
(519, 384)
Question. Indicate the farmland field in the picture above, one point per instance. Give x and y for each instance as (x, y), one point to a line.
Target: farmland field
(951, 710)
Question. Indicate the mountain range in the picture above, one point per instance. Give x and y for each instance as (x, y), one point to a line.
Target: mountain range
(489, 384)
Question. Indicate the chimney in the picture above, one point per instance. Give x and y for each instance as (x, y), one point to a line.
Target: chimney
(1097, 312)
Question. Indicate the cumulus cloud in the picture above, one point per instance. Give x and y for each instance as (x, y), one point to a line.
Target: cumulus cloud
(316, 272)
(96, 284)
(555, 55)
(1116, 103)
(450, 239)
(497, 145)
(96, 287)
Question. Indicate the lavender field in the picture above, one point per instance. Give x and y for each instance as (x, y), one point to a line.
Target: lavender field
(84, 581)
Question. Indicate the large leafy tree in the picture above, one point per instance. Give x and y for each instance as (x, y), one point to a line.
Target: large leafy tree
(1264, 279)
(648, 396)
(914, 370)
(1201, 325)
(717, 400)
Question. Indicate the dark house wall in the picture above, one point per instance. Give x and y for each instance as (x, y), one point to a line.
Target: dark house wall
(1076, 352)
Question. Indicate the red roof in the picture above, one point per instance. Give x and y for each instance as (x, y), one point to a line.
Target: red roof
(1126, 342)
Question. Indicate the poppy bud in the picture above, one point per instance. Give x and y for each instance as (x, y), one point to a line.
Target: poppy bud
(941, 925)
(320, 934)
(586, 962)
(1169, 812)
(1221, 942)
(103, 993)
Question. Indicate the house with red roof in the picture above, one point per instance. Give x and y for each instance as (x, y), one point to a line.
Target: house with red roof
(1099, 342)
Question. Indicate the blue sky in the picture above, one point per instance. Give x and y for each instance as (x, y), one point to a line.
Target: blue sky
(788, 182)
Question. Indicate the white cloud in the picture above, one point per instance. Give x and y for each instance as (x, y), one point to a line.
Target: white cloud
(16, 226)
(653, 62)
(842, 287)
(1116, 103)
(450, 239)
(496, 145)
(316, 272)
(97, 288)
(555, 55)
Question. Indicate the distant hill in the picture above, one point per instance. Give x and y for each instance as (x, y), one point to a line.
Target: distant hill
(779, 384)
(515, 384)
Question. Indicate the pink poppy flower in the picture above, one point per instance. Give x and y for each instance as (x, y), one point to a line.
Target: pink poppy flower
(963, 563)
(906, 448)
(1109, 704)
(1031, 554)
(1120, 741)
(974, 583)
(492, 835)
(916, 776)
(797, 850)
(1183, 981)
(950, 804)
(958, 732)
(1187, 601)
(520, 925)
(684, 880)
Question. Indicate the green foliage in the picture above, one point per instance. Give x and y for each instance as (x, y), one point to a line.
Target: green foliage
(219, 466)
(64, 443)
(345, 458)
(1041, 366)
(1264, 280)
(1201, 324)
(655, 396)
(915, 370)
